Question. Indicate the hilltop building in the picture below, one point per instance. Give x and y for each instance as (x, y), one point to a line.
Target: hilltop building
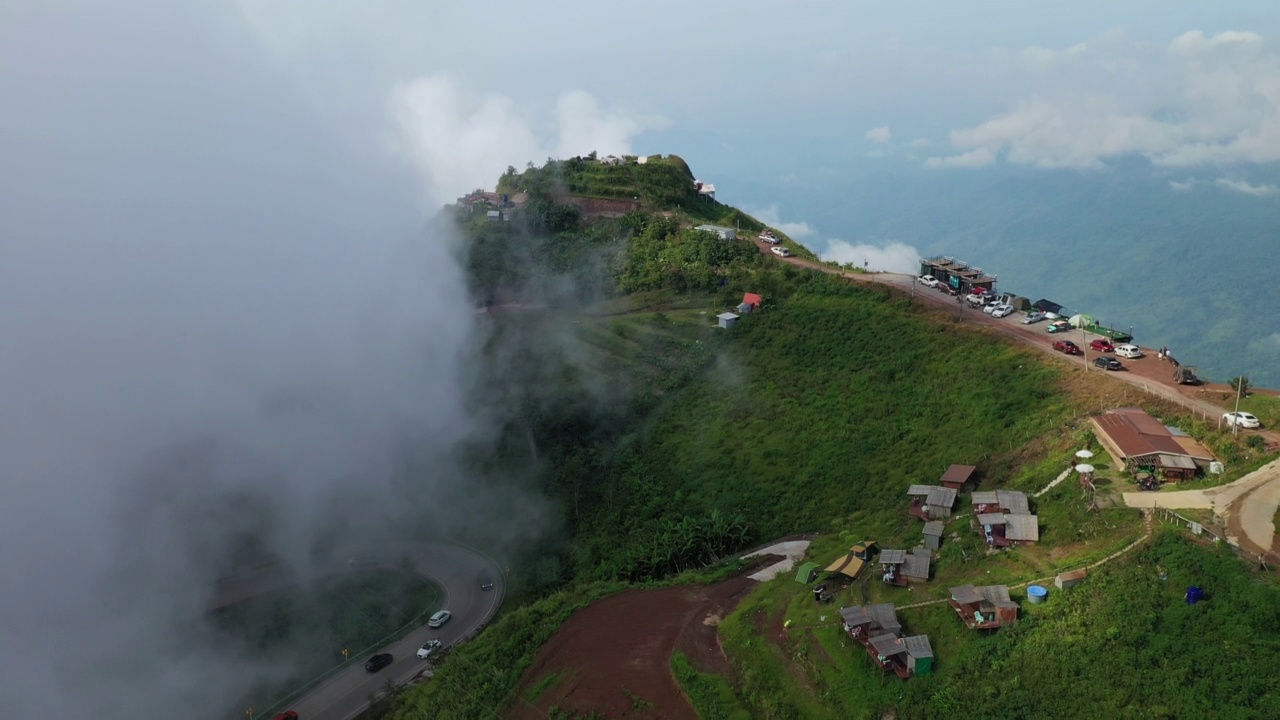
(725, 233)
(1143, 443)
(957, 275)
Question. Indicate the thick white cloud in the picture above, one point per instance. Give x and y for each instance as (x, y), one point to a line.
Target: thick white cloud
(879, 134)
(894, 257)
(769, 216)
(1199, 100)
(1246, 188)
(461, 140)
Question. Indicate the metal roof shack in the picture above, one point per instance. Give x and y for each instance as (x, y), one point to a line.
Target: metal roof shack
(727, 319)
(931, 501)
(956, 274)
(1007, 501)
(1068, 580)
(1022, 529)
(957, 476)
(863, 621)
(877, 629)
(933, 534)
(1142, 442)
(902, 567)
(725, 233)
(984, 608)
(919, 654)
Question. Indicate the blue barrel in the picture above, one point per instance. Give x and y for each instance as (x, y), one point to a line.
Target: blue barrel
(1036, 594)
(1194, 595)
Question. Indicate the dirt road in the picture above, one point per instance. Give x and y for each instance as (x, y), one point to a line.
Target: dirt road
(1248, 508)
(612, 657)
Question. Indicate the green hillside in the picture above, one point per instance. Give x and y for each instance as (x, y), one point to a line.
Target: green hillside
(669, 443)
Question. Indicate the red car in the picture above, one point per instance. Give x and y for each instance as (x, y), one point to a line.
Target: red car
(1066, 346)
(1101, 345)
(287, 715)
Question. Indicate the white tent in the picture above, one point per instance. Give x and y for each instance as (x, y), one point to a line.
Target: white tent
(1080, 321)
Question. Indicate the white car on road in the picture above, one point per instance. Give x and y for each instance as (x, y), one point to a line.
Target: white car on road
(929, 281)
(781, 251)
(1241, 419)
(440, 618)
(427, 648)
(1128, 351)
(1002, 311)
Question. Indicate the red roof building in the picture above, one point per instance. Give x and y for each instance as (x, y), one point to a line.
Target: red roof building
(753, 300)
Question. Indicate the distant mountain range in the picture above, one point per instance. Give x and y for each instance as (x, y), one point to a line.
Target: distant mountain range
(1189, 267)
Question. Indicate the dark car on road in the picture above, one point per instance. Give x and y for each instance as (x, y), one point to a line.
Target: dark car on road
(1107, 363)
(1066, 346)
(486, 580)
(377, 662)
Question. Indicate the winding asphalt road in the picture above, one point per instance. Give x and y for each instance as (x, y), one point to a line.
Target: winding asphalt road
(454, 568)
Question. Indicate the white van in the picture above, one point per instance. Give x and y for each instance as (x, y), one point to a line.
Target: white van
(1128, 351)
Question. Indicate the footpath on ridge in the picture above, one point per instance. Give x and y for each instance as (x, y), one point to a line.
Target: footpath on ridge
(1248, 505)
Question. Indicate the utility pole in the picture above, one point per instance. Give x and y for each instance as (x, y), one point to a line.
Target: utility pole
(913, 287)
(1235, 419)
(1084, 345)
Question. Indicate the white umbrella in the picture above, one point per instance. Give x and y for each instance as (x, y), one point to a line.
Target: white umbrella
(1084, 454)
(1083, 468)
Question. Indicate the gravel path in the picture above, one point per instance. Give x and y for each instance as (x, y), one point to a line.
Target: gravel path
(791, 551)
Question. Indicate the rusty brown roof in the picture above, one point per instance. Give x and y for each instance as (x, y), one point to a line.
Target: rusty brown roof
(957, 474)
(1130, 440)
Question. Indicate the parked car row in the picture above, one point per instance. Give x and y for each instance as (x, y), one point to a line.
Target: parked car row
(999, 306)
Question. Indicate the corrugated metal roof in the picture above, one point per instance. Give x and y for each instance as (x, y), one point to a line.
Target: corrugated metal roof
(957, 474)
(1022, 527)
(1137, 434)
(882, 616)
(1175, 461)
(991, 518)
(986, 497)
(918, 646)
(916, 566)
(1192, 447)
(994, 593)
(965, 594)
(918, 489)
(935, 528)
(1014, 501)
(942, 497)
(893, 557)
(887, 645)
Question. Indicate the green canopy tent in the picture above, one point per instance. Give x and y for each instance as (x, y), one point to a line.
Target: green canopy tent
(807, 573)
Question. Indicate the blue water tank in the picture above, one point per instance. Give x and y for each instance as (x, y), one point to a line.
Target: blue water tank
(1194, 595)
(1037, 594)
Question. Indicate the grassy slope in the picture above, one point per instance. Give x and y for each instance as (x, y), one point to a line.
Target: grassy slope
(1122, 644)
(813, 415)
(822, 413)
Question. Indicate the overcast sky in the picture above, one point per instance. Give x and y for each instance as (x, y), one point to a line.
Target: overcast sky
(211, 236)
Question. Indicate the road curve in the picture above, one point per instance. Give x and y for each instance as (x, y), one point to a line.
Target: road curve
(454, 568)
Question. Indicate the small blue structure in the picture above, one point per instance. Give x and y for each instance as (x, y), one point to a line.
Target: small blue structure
(1194, 595)
(1036, 594)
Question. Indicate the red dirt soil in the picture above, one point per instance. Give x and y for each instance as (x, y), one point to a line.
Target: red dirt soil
(623, 644)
